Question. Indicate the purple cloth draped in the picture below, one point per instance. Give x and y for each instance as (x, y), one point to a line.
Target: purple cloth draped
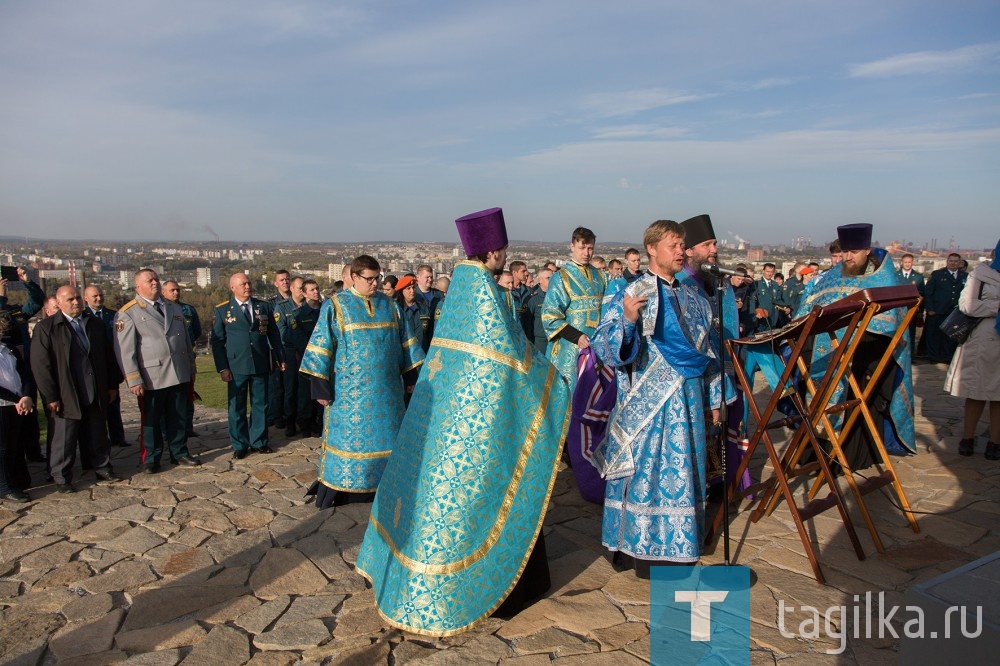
(593, 400)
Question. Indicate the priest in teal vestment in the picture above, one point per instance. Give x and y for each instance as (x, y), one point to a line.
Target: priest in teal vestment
(454, 533)
(359, 357)
(572, 307)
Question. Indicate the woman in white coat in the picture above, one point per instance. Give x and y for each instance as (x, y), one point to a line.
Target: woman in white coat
(973, 372)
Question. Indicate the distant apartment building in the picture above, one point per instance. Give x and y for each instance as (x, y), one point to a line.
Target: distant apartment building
(334, 271)
(206, 275)
(755, 254)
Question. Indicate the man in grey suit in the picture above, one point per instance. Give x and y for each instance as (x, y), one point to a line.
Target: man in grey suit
(75, 372)
(155, 355)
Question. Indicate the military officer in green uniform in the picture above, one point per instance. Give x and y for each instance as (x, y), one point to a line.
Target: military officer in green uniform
(308, 411)
(243, 339)
(284, 317)
(942, 291)
(192, 322)
(276, 398)
(767, 300)
(916, 278)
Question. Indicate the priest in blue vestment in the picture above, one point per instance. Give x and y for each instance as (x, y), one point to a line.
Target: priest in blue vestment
(361, 357)
(865, 267)
(655, 334)
(701, 249)
(455, 531)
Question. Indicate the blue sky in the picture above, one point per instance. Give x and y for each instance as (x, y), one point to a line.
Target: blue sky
(345, 121)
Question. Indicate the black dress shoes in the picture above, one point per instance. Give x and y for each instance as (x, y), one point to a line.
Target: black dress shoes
(15, 496)
(189, 461)
(107, 476)
(966, 447)
(192, 433)
(65, 488)
(291, 430)
(151, 468)
(240, 455)
(264, 449)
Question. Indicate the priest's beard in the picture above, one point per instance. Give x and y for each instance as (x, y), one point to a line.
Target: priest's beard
(855, 270)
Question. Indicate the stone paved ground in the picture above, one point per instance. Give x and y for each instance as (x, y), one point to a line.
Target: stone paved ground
(227, 564)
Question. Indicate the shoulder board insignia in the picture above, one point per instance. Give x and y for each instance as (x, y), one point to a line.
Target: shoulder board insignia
(127, 306)
(219, 305)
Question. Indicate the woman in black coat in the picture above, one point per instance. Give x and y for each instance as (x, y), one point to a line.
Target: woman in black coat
(15, 390)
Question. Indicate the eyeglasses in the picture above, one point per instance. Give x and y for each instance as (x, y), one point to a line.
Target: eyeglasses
(369, 279)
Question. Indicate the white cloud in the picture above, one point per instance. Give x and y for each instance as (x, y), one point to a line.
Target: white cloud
(929, 62)
(798, 149)
(639, 131)
(624, 184)
(627, 102)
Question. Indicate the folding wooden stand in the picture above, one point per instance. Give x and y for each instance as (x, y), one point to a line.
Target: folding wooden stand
(846, 321)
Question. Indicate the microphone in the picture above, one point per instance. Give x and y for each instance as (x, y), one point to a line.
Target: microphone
(719, 270)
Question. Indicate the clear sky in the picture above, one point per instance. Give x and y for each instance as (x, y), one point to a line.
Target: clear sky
(347, 121)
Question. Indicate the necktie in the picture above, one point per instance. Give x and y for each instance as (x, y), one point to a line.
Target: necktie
(159, 308)
(246, 312)
(81, 335)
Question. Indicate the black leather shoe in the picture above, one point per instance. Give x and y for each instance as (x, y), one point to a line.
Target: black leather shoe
(993, 451)
(240, 455)
(65, 488)
(15, 496)
(189, 461)
(264, 449)
(151, 469)
(192, 433)
(966, 447)
(109, 476)
(291, 430)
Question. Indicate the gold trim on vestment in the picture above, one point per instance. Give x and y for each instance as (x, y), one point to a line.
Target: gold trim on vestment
(322, 351)
(527, 553)
(364, 325)
(505, 506)
(523, 366)
(409, 343)
(415, 365)
(356, 455)
(306, 371)
(555, 334)
(346, 490)
(339, 312)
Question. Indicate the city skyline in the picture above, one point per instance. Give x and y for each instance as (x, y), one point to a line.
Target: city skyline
(365, 122)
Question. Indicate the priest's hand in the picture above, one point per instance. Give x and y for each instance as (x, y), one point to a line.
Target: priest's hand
(325, 403)
(633, 306)
(583, 342)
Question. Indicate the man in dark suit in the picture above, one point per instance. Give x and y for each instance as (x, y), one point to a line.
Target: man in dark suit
(94, 297)
(156, 357)
(243, 339)
(942, 291)
(916, 278)
(75, 371)
(767, 300)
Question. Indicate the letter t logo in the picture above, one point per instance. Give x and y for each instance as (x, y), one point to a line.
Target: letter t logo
(701, 611)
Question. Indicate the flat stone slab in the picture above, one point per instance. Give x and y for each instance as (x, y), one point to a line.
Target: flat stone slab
(86, 637)
(224, 646)
(161, 637)
(301, 636)
(159, 606)
(286, 571)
